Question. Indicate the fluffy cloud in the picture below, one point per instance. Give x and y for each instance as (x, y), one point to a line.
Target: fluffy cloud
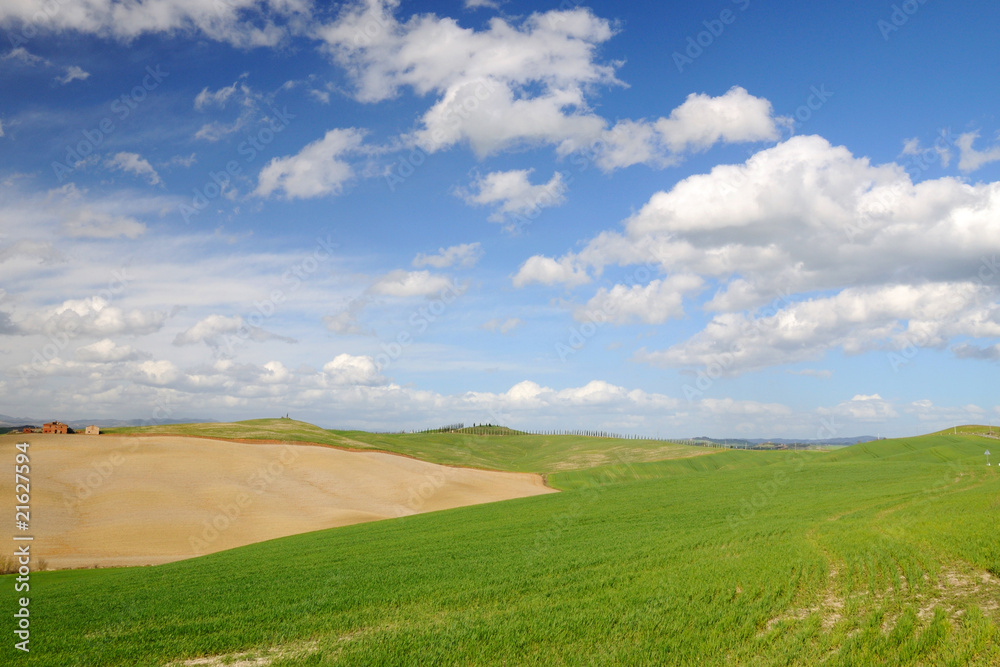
(91, 316)
(346, 369)
(967, 351)
(503, 120)
(695, 126)
(971, 159)
(240, 22)
(411, 283)
(926, 411)
(525, 83)
(654, 303)
(702, 121)
(464, 255)
(317, 170)
(855, 320)
(513, 195)
(548, 271)
(134, 163)
(274, 372)
(429, 53)
(159, 373)
(528, 395)
(862, 408)
(805, 215)
(803, 218)
(218, 330)
(107, 351)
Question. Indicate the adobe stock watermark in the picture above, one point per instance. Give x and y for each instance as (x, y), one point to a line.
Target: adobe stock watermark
(292, 279)
(704, 39)
(768, 490)
(584, 500)
(594, 319)
(418, 322)
(29, 30)
(900, 16)
(100, 472)
(432, 482)
(226, 515)
(818, 96)
(218, 181)
(122, 108)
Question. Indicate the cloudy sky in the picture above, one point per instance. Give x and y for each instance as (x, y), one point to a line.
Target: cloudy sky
(731, 218)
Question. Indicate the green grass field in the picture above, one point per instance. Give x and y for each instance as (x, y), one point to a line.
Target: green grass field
(516, 453)
(885, 553)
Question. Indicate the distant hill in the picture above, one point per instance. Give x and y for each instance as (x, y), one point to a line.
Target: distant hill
(7, 422)
(755, 442)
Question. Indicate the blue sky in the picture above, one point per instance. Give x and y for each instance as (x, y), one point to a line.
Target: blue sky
(732, 218)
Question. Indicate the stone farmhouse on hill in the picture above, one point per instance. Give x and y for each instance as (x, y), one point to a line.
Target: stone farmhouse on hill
(55, 427)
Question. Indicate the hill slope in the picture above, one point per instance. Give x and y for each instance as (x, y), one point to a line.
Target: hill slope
(787, 559)
(515, 453)
(102, 501)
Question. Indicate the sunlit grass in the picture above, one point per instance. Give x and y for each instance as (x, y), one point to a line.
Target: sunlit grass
(884, 554)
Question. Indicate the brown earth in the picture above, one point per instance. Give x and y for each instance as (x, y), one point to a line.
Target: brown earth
(116, 500)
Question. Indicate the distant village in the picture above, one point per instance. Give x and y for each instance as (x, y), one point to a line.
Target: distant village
(59, 427)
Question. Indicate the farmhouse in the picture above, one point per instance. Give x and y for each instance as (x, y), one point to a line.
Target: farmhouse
(55, 427)
(92, 430)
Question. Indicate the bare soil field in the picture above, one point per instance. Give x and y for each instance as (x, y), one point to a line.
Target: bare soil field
(116, 500)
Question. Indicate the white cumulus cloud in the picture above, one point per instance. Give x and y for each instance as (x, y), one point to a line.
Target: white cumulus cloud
(315, 171)
(411, 283)
(346, 369)
(107, 351)
(464, 255)
(513, 195)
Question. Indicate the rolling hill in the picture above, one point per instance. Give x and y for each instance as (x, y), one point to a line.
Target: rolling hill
(878, 554)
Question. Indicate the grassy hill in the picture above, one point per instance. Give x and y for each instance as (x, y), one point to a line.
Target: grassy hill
(879, 554)
(495, 451)
(940, 447)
